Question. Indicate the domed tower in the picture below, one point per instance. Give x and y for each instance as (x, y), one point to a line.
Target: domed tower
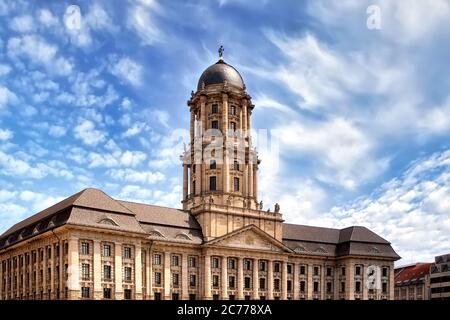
(220, 181)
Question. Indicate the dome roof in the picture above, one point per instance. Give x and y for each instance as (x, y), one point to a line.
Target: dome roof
(219, 73)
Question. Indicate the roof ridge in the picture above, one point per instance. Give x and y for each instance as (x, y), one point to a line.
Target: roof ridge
(147, 204)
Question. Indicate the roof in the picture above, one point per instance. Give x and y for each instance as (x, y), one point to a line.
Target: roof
(411, 274)
(219, 73)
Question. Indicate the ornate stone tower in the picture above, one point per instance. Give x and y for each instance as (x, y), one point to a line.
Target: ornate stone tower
(220, 180)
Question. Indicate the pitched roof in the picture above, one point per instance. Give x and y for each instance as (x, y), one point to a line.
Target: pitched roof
(411, 274)
(310, 233)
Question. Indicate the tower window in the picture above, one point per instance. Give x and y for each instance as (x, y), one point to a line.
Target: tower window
(193, 186)
(233, 110)
(233, 126)
(212, 183)
(212, 164)
(236, 184)
(215, 108)
(236, 165)
(215, 124)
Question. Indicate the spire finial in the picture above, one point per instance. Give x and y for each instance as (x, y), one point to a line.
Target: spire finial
(221, 50)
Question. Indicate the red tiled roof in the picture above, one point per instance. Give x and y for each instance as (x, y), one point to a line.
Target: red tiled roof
(412, 273)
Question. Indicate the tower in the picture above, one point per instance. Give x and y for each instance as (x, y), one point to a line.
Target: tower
(220, 180)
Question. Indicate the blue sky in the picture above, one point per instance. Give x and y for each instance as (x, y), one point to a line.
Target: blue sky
(361, 117)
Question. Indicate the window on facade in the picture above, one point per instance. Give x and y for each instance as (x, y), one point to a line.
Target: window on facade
(157, 259)
(106, 293)
(236, 184)
(215, 281)
(262, 265)
(247, 264)
(193, 186)
(384, 287)
(85, 271)
(329, 287)
(127, 252)
(212, 183)
(192, 280)
(343, 271)
(342, 286)
(127, 294)
(192, 262)
(215, 124)
(289, 285)
(215, 262)
(215, 108)
(231, 264)
(107, 272)
(175, 296)
(106, 250)
(316, 271)
(192, 296)
(175, 279)
(302, 286)
(358, 270)
(262, 283)
(233, 110)
(127, 271)
(175, 261)
(157, 278)
(231, 282)
(85, 292)
(84, 248)
(215, 297)
(233, 126)
(247, 283)
(236, 165)
(329, 272)
(157, 295)
(302, 270)
(358, 286)
(385, 272)
(289, 268)
(276, 284)
(276, 267)
(316, 286)
(212, 164)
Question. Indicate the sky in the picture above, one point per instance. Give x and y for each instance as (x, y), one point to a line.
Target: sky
(359, 117)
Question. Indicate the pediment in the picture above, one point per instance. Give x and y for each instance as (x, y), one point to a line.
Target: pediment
(250, 237)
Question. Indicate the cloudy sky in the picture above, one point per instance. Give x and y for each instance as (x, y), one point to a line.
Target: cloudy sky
(361, 117)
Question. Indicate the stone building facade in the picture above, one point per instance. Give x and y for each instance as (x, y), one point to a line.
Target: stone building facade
(220, 245)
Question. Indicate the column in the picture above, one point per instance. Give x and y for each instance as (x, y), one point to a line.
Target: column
(1, 279)
(240, 279)
(207, 278)
(283, 280)
(270, 280)
(61, 269)
(365, 290)
(24, 277)
(310, 283)
(224, 279)
(97, 271)
(296, 281)
(118, 271)
(244, 116)
(52, 271)
(138, 271)
(73, 271)
(255, 181)
(250, 176)
(185, 181)
(350, 281)
(45, 275)
(391, 282)
(255, 280)
(192, 151)
(226, 165)
(149, 274)
(167, 276)
(184, 277)
(245, 179)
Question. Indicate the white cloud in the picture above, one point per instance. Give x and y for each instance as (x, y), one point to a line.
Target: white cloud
(24, 23)
(129, 175)
(5, 134)
(6, 97)
(57, 131)
(47, 18)
(134, 130)
(127, 70)
(4, 70)
(86, 132)
(141, 19)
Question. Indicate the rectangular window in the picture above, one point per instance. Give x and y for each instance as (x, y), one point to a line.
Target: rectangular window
(127, 294)
(106, 250)
(107, 272)
(289, 268)
(212, 164)
(303, 270)
(276, 267)
(215, 124)
(233, 126)
(276, 284)
(316, 271)
(85, 292)
(343, 271)
(106, 293)
(358, 286)
(127, 271)
(175, 279)
(236, 184)
(385, 272)
(212, 183)
(175, 261)
(215, 281)
(175, 296)
(262, 265)
(157, 278)
(231, 264)
(236, 165)
(157, 295)
(247, 283)
(289, 285)
(248, 264)
(84, 248)
(157, 259)
(192, 296)
(358, 270)
(329, 287)
(342, 286)
(215, 108)
(215, 263)
(262, 283)
(233, 110)
(85, 271)
(384, 287)
(329, 272)
(127, 252)
(302, 286)
(192, 280)
(316, 286)
(231, 282)
(192, 262)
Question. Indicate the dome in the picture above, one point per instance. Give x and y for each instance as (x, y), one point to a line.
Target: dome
(219, 73)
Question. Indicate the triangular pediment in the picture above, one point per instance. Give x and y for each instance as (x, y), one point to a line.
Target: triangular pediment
(249, 237)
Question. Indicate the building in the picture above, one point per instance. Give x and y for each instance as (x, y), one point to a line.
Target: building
(221, 245)
(412, 282)
(440, 278)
